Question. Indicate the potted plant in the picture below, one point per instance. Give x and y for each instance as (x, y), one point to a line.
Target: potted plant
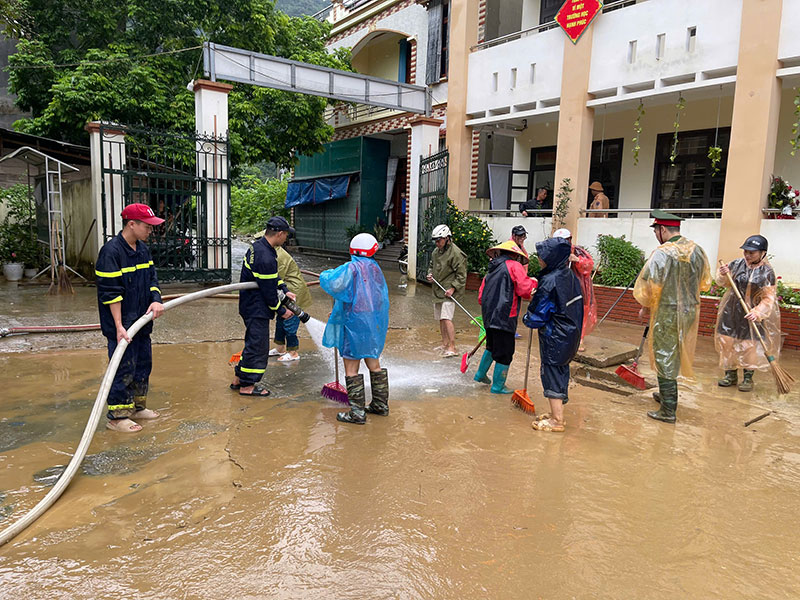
(18, 244)
(13, 270)
(782, 197)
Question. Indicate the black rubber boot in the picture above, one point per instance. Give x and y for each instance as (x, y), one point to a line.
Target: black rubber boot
(731, 377)
(747, 381)
(379, 380)
(357, 398)
(668, 392)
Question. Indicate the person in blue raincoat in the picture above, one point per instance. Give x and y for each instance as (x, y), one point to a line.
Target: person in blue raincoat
(556, 310)
(357, 326)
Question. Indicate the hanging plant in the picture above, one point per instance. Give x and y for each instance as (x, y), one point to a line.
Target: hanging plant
(714, 155)
(637, 133)
(679, 107)
(563, 198)
(795, 141)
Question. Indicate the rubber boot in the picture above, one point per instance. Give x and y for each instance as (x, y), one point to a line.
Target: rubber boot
(357, 398)
(379, 380)
(483, 368)
(668, 391)
(499, 380)
(747, 381)
(731, 377)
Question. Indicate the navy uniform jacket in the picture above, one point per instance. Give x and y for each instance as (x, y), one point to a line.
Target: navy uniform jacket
(261, 265)
(128, 276)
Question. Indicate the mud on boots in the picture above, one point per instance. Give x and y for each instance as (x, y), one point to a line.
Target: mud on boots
(731, 378)
(499, 380)
(667, 397)
(747, 381)
(483, 368)
(359, 335)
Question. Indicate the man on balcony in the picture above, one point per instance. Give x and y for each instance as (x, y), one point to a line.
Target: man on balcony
(669, 286)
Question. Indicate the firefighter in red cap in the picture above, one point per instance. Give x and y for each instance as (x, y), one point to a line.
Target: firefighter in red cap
(127, 288)
(669, 286)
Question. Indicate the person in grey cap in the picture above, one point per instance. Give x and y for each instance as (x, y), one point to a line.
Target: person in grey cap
(518, 235)
(258, 306)
(735, 337)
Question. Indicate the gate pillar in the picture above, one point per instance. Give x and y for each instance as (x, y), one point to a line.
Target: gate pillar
(211, 121)
(424, 141)
(107, 189)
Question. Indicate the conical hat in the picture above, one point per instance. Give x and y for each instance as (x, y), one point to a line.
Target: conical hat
(508, 246)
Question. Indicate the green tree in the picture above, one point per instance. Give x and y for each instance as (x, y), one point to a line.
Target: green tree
(129, 61)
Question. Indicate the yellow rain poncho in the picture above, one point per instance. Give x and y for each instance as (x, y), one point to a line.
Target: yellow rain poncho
(734, 337)
(669, 285)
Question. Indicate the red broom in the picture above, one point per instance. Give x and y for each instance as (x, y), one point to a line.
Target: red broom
(468, 355)
(520, 398)
(631, 374)
(335, 391)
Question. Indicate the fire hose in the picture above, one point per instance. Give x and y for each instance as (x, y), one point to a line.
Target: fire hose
(100, 407)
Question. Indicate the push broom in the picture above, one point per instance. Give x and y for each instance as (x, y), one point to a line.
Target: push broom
(520, 398)
(465, 358)
(631, 374)
(783, 380)
(334, 390)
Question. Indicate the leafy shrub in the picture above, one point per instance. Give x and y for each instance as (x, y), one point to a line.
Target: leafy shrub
(534, 267)
(472, 235)
(18, 229)
(620, 260)
(787, 296)
(255, 201)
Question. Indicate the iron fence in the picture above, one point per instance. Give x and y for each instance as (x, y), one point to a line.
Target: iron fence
(432, 205)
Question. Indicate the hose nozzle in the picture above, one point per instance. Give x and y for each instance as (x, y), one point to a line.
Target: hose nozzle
(292, 306)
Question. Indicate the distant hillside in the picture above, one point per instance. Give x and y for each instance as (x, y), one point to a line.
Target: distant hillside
(295, 8)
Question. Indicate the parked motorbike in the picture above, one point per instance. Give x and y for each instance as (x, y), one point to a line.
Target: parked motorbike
(402, 261)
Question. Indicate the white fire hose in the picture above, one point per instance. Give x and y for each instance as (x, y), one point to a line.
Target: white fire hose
(100, 407)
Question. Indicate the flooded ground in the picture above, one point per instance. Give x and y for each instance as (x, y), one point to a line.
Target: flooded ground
(451, 496)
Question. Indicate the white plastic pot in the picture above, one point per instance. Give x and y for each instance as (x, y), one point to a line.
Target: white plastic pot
(13, 271)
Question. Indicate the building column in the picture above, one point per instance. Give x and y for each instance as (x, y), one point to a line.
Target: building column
(108, 194)
(424, 142)
(754, 128)
(463, 35)
(575, 128)
(211, 124)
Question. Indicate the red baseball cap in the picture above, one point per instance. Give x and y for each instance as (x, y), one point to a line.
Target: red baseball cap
(141, 212)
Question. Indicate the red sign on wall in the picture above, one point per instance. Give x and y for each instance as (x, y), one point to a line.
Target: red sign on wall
(575, 15)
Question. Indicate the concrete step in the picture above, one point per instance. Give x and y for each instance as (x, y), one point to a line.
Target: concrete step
(605, 379)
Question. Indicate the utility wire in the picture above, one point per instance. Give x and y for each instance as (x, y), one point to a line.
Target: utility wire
(104, 61)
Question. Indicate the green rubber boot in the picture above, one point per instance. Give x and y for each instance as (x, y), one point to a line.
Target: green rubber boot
(731, 377)
(357, 398)
(668, 392)
(499, 380)
(747, 381)
(483, 368)
(379, 380)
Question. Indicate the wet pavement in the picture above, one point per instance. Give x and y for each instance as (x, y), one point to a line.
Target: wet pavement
(451, 496)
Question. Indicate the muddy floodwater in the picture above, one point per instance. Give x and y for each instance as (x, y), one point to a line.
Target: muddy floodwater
(452, 496)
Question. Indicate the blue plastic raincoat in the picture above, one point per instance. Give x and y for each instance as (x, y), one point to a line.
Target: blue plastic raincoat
(360, 318)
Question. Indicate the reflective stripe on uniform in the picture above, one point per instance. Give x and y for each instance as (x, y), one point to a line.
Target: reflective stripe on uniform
(575, 299)
(259, 275)
(108, 273)
(120, 406)
(155, 289)
(117, 299)
(246, 370)
(128, 269)
(144, 265)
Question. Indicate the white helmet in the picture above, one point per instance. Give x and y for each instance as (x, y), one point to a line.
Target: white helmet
(562, 233)
(440, 231)
(363, 244)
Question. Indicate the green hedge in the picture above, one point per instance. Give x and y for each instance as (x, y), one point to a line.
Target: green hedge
(619, 261)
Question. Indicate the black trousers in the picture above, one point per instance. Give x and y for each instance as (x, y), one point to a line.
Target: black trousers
(132, 378)
(501, 345)
(256, 347)
(555, 381)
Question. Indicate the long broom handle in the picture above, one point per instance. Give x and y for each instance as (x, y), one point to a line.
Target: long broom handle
(478, 345)
(641, 345)
(474, 320)
(617, 300)
(747, 309)
(528, 360)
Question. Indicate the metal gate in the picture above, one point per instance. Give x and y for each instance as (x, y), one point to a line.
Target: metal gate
(432, 205)
(184, 178)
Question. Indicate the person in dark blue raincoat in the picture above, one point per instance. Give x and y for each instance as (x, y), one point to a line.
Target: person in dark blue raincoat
(127, 289)
(357, 326)
(556, 310)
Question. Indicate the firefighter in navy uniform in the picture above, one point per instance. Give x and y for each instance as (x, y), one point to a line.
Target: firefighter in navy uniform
(258, 306)
(127, 288)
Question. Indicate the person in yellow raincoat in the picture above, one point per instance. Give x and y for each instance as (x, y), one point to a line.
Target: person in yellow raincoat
(669, 286)
(735, 338)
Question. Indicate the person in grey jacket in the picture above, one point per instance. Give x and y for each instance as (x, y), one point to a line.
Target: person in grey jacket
(448, 267)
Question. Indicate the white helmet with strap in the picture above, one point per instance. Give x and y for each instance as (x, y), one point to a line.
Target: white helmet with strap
(440, 231)
(364, 244)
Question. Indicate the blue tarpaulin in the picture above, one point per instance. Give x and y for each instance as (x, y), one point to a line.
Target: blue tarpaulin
(317, 191)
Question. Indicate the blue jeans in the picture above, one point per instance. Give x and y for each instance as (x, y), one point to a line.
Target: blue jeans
(286, 332)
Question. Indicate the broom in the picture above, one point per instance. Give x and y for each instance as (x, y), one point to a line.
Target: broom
(520, 398)
(783, 380)
(335, 391)
(631, 374)
(468, 355)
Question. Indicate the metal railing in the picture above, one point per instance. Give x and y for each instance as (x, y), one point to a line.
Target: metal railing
(322, 15)
(545, 26)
